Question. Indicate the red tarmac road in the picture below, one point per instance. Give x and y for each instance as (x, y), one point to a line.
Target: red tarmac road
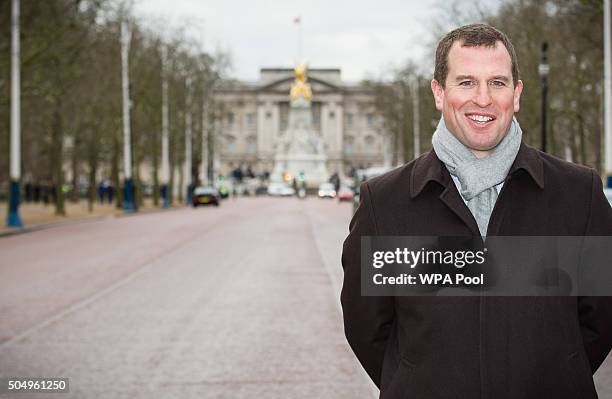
(236, 302)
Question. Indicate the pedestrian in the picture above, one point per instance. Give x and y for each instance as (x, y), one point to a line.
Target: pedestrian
(101, 192)
(110, 192)
(28, 192)
(46, 192)
(478, 346)
(37, 192)
(335, 180)
(53, 192)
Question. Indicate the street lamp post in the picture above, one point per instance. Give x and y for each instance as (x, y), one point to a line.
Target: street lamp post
(188, 183)
(212, 150)
(13, 219)
(543, 70)
(204, 173)
(128, 185)
(165, 133)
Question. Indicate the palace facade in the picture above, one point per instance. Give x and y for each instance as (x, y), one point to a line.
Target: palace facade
(254, 120)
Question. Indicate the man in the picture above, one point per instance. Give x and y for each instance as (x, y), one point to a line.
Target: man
(479, 179)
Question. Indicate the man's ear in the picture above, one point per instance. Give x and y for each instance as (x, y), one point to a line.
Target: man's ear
(517, 95)
(438, 93)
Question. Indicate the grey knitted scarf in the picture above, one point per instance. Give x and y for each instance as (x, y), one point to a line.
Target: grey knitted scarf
(478, 177)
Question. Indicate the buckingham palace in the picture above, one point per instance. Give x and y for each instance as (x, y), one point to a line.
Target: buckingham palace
(255, 121)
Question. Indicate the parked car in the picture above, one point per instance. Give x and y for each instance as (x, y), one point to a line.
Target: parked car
(327, 190)
(205, 196)
(345, 194)
(280, 189)
(287, 191)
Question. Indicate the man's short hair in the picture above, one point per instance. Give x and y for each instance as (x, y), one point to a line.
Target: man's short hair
(472, 36)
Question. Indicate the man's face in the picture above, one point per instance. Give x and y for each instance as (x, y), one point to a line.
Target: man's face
(479, 98)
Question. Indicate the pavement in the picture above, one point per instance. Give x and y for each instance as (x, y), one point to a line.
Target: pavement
(240, 301)
(37, 215)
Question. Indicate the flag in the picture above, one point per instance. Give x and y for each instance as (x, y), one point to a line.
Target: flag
(297, 20)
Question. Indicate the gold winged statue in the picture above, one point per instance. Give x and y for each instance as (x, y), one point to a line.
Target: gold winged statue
(299, 86)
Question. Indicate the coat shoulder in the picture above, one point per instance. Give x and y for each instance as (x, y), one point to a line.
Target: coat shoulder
(566, 178)
(558, 168)
(393, 181)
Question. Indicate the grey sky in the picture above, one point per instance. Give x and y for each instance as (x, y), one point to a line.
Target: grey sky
(362, 37)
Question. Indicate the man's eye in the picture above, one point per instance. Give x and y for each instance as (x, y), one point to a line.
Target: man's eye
(466, 83)
(498, 83)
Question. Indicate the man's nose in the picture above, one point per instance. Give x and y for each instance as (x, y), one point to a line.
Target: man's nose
(482, 97)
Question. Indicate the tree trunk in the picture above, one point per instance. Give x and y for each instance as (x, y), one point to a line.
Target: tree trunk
(93, 168)
(155, 171)
(171, 178)
(599, 148)
(74, 193)
(138, 200)
(583, 155)
(573, 139)
(56, 161)
(211, 152)
(115, 170)
(180, 184)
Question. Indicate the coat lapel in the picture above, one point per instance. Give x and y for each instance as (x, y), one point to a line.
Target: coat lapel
(452, 199)
(429, 168)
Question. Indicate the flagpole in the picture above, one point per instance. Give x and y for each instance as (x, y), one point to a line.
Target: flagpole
(298, 20)
(300, 39)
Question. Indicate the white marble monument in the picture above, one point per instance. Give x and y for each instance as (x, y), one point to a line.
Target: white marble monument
(302, 153)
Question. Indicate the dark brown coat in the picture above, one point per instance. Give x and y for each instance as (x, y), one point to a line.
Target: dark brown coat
(479, 347)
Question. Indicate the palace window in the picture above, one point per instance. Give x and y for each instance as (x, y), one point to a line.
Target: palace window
(230, 142)
(284, 115)
(348, 145)
(250, 118)
(316, 115)
(251, 145)
(349, 119)
(370, 145)
(371, 120)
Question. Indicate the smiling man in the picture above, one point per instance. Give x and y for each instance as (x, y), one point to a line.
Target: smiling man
(478, 91)
(479, 180)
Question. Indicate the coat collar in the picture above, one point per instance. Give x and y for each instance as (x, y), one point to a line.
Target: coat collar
(429, 168)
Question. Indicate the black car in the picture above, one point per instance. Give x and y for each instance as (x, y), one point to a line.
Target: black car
(205, 196)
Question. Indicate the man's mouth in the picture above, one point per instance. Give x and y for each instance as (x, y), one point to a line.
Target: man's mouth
(480, 119)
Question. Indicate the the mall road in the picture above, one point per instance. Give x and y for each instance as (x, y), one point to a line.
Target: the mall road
(240, 301)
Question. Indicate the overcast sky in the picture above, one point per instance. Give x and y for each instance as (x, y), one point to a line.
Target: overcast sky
(364, 38)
